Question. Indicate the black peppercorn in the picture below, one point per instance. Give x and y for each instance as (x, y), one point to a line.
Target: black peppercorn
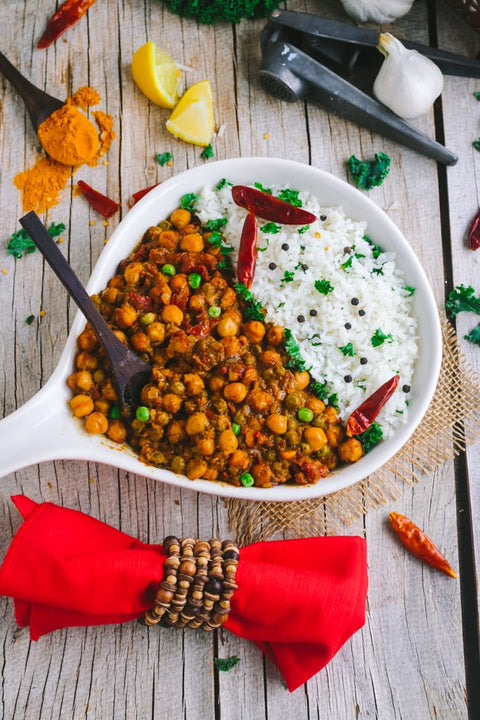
(406, 388)
(347, 326)
(348, 378)
(354, 301)
(272, 266)
(285, 246)
(301, 318)
(363, 361)
(323, 218)
(312, 313)
(361, 313)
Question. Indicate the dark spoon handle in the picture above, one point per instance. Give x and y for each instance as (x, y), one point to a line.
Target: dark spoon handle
(124, 362)
(39, 104)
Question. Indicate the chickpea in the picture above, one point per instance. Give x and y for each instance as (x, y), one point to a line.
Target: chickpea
(231, 344)
(335, 434)
(239, 460)
(125, 316)
(121, 336)
(196, 423)
(117, 281)
(205, 446)
(227, 441)
(117, 430)
(81, 405)
(234, 314)
(275, 335)
(96, 423)
(196, 303)
(302, 379)
(270, 357)
(316, 405)
(180, 218)
(277, 423)
(172, 314)
(175, 432)
(250, 376)
(102, 405)
(161, 292)
(259, 400)
(330, 414)
(196, 468)
(133, 272)
(254, 331)
(229, 298)
(192, 242)
(86, 361)
(211, 473)
(263, 474)
(156, 333)
(227, 327)
(178, 282)
(350, 450)
(194, 383)
(169, 239)
(235, 392)
(140, 341)
(216, 383)
(87, 340)
(172, 403)
(81, 380)
(110, 295)
(108, 391)
(315, 437)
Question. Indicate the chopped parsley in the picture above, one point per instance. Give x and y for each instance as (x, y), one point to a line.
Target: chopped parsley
(271, 228)
(259, 186)
(462, 299)
(476, 144)
(290, 196)
(226, 664)
(348, 263)
(379, 337)
(280, 305)
(163, 158)
(318, 389)
(369, 173)
(259, 249)
(474, 335)
(370, 437)
(216, 223)
(376, 249)
(303, 229)
(296, 361)
(207, 152)
(315, 340)
(476, 95)
(21, 242)
(222, 183)
(215, 239)
(29, 320)
(409, 289)
(288, 276)
(189, 201)
(323, 286)
(253, 308)
(377, 271)
(348, 349)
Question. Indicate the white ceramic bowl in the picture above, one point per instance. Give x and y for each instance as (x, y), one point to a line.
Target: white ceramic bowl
(54, 434)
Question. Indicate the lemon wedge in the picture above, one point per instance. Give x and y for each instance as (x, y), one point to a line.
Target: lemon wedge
(192, 119)
(157, 75)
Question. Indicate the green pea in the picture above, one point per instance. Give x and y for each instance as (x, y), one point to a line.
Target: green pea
(169, 270)
(143, 413)
(147, 318)
(194, 280)
(115, 412)
(305, 414)
(236, 428)
(247, 480)
(214, 311)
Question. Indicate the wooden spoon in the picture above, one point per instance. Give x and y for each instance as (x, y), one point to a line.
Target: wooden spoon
(39, 105)
(130, 373)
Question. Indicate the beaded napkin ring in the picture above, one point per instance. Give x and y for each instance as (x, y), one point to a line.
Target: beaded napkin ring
(198, 584)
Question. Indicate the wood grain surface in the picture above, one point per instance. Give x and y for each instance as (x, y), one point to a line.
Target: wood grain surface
(416, 658)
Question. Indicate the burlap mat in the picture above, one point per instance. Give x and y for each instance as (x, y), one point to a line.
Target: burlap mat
(451, 423)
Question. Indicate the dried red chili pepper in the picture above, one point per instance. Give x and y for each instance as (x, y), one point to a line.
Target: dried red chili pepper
(361, 418)
(269, 207)
(247, 251)
(474, 233)
(419, 544)
(100, 203)
(136, 196)
(67, 15)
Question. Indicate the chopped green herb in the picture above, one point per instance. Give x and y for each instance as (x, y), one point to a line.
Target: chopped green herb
(370, 437)
(253, 309)
(215, 239)
(216, 224)
(259, 186)
(377, 271)
(332, 400)
(259, 249)
(348, 263)
(296, 361)
(207, 153)
(188, 201)
(30, 319)
(226, 664)
(163, 158)
(315, 337)
(409, 289)
(21, 242)
(376, 249)
(290, 196)
(288, 276)
(476, 95)
(318, 389)
(379, 338)
(303, 229)
(271, 228)
(220, 185)
(369, 173)
(348, 350)
(476, 144)
(462, 299)
(225, 264)
(280, 305)
(474, 335)
(323, 286)
(55, 230)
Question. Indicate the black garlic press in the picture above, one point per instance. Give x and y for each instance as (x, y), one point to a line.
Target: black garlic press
(309, 57)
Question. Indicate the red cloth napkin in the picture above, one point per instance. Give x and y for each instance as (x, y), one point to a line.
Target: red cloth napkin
(298, 600)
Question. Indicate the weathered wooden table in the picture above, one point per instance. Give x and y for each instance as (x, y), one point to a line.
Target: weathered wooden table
(417, 656)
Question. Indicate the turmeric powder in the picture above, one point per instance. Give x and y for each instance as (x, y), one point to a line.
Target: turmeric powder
(70, 139)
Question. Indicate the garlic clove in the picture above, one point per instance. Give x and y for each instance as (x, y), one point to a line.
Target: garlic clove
(408, 82)
(379, 11)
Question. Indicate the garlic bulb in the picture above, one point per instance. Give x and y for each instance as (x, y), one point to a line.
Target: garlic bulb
(379, 11)
(408, 82)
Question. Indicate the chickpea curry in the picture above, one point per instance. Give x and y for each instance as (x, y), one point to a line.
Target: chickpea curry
(224, 402)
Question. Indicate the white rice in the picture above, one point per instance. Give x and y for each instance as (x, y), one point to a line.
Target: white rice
(320, 253)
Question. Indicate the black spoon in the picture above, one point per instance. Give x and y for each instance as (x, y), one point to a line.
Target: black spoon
(39, 104)
(130, 373)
